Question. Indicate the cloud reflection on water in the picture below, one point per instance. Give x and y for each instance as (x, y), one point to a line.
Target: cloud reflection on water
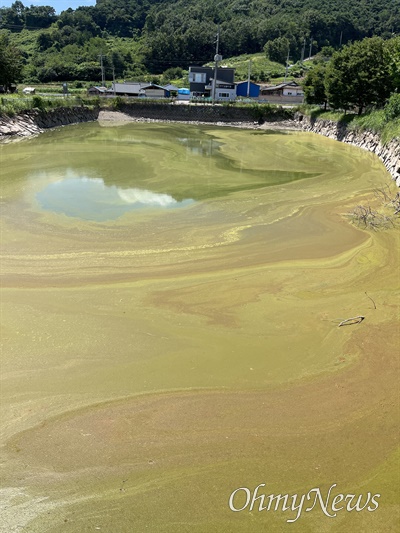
(91, 199)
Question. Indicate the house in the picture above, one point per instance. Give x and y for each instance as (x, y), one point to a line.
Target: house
(155, 91)
(201, 80)
(247, 89)
(283, 89)
(127, 88)
(143, 89)
(172, 89)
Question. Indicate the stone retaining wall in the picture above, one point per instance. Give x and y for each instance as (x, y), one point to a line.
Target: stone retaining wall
(35, 121)
(203, 112)
(388, 153)
(188, 112)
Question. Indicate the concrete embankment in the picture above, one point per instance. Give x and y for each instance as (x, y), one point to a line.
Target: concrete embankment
(206, 113)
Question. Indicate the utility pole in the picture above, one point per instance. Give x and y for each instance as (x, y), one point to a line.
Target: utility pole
(103, 78)
(340, 43)
(303, 51)
(217, 58)
(113, 69)
(248, 80)
(287, 63)
(309, 53)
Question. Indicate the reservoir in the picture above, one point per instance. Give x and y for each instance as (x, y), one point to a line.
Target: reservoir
(170, 302)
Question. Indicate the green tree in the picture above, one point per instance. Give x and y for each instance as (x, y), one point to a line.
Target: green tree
(44, 41)
(358, 76)
(39, 16)
(14, 16)
(277, 50)
(314, 85)
(10, 63)
(392, 48)
(172, 73)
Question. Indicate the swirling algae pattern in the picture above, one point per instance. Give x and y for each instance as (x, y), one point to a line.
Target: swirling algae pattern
(154, 362)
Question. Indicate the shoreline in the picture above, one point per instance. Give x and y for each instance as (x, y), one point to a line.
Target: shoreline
(25, 125)
(34, 122)
(120, 117)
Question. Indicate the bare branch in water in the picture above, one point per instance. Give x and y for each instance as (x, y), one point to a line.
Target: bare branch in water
(370, 299)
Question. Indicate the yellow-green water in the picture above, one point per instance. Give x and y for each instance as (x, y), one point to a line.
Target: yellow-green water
(170, 305)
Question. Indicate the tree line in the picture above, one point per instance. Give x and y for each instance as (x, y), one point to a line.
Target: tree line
(360, 76)
(139, 36)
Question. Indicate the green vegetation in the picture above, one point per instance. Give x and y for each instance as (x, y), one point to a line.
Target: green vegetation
(392, 107)
(363, 78)
(360, 76)
(10, 63)
(11, 106)
(268, 112)
(376, 121)
(155, 41)
(262, 68)
(314, 86)
(148, 37)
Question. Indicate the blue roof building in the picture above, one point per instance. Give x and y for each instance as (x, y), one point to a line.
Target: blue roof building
(242, 88)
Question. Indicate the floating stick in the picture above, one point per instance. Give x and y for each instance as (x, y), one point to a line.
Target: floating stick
(371, 300)
(351, 321)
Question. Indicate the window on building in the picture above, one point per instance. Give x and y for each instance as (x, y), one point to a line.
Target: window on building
(197, 77)
(223, 95)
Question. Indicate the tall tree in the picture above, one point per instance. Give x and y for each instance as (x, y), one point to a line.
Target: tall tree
(10, 63)
(314, 85)
(392, 48)
(278, 49)
(358, 76)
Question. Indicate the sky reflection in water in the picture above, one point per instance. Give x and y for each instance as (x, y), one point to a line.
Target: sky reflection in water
(91, 199)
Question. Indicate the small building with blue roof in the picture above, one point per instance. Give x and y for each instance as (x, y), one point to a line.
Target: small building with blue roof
(247, 89)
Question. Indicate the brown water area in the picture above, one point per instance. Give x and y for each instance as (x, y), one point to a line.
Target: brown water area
(170, 302)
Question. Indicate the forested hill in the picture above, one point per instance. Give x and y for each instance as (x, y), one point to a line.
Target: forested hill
(247, 25)
(169, 33)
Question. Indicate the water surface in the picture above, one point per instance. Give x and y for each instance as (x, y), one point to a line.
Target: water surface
(170, 304)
